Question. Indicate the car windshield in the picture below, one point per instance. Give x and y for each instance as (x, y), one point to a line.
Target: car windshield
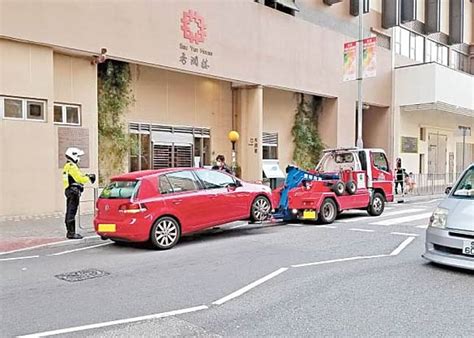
(465, 187)
(120, 189)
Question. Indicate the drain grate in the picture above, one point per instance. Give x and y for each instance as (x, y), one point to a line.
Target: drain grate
(81, 275)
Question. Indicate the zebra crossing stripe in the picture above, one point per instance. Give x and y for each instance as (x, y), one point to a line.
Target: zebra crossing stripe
(403, 219)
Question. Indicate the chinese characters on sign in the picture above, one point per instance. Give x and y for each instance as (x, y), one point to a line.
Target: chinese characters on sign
(194, 30)
(369, 61)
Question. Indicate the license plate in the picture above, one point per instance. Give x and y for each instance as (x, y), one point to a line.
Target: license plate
(107, 228)
(468, 248)
(309, 214)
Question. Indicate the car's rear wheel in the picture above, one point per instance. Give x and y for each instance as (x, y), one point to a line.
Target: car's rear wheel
(377, 205)
(261, 209)
(165, 233)
(328, 211)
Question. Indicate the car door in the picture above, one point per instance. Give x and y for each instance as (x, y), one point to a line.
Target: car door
(381, 175)
(223, 193)
(185, 199)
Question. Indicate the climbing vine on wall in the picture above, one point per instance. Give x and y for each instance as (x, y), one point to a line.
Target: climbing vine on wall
(114, 98)
(308, 145)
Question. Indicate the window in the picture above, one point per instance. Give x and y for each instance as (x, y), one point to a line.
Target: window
(140, 152)
(120, 190)
(214, 179)
(183, 181)
(270, 153)
(409, 44)
(285, 6)
(22, 109)
(465, 187)
(458, 60)
(165, 185)
(67, 114)
(380, 161)
(13, 108)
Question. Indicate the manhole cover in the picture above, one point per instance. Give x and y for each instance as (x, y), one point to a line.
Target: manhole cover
(78, 276)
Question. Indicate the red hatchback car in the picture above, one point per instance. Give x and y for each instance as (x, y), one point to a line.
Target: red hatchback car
(161, 205)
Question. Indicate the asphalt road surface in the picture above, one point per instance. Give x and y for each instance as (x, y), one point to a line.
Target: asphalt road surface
(361, 276)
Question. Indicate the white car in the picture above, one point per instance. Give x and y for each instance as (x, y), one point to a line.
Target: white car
(450, 235)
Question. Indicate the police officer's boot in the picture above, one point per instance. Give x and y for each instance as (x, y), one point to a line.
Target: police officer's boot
(71, 230)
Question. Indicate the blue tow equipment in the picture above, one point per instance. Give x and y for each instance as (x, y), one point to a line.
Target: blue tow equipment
(294, 177)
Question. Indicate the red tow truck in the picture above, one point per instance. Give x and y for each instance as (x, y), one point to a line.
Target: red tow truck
(345, 178)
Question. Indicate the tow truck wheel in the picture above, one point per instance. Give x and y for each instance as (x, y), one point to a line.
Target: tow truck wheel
(339, 188)
(328, 211)
(377, 205)
(351, 187)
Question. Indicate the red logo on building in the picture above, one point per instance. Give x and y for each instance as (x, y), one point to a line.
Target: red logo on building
(193, 27)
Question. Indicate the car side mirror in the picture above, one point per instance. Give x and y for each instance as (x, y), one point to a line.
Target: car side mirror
(232, 186)
(448, 190)
(238, 183)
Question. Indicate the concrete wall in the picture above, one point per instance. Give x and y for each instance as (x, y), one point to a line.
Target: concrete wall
(167, 97)
(376, 127)
(248, 40)
(30, 177)
(431, 83)
(434, 121)
(279, 108)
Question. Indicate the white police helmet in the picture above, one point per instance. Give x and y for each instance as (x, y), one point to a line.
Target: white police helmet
(74, 154)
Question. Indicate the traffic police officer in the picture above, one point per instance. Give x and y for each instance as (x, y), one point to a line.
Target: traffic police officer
(73, 181)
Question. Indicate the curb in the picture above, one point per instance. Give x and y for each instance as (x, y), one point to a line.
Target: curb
(65, 242)
(410, 199)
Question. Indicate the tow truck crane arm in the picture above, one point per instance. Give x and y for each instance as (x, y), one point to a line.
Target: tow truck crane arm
(294, 177)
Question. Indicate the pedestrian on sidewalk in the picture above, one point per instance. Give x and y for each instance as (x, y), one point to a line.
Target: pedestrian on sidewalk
(73, 181)
(400, 175)
(221, 165)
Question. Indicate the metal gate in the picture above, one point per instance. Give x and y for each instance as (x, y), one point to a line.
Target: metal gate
(172, 155)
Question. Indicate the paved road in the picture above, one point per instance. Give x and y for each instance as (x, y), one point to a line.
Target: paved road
(360, 276)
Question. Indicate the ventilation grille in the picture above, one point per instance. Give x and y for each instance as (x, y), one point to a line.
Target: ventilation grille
(197, 131)
(270, 139)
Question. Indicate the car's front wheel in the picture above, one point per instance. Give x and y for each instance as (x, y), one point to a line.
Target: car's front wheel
(261, 209)
(165, 233)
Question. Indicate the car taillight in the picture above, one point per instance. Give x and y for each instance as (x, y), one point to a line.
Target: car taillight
(132, 208)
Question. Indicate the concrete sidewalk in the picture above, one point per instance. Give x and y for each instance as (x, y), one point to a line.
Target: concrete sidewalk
(25, 232)
(409, 198)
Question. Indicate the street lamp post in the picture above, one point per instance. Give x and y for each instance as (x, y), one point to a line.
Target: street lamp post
(360, 142)
(233, 138)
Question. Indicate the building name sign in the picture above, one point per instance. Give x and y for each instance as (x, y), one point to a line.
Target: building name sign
(194, 29)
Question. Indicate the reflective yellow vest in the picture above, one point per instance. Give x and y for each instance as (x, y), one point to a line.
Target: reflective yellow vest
(72, 174)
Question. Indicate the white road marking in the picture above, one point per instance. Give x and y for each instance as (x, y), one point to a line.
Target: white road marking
(117, 322)
(80, 249)
(402, 246)
(388, 214)
(327, 226)
(404, 234)
(431, 201)
(361, 230)
(424, 226)
(337, 260)
(238, 226)
(403, 219)
(249, 287)
(47, 244)
(296, 225)
(17, 258)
